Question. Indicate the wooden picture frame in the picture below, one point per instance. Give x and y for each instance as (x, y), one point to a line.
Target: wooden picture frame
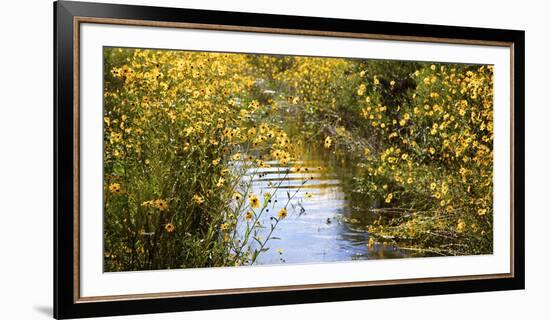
(70, 16)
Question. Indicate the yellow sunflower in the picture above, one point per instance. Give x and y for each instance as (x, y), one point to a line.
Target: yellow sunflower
(114, 187)
(282, 213)
(169, 228)
(161, 204)
(254, 201)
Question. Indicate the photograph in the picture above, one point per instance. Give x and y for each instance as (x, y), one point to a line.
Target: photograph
(270, 160)
(223, 159)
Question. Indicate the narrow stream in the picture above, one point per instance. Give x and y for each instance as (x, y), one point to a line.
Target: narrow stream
(321, 225)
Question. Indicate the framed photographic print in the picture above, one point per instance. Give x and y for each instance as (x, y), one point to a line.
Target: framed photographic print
(211, 159)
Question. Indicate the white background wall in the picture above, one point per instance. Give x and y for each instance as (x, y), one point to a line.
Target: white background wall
(26, 158)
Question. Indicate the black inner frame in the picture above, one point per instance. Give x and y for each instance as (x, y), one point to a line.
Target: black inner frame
(64, 305)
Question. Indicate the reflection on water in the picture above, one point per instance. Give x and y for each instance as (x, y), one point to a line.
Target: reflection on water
(321, 225)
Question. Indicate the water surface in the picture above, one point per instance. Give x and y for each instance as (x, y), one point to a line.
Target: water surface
(322, 225)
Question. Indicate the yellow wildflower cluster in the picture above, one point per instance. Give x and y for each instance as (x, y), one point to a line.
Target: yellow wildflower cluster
(183, 126)
(428, 130)
(437, 144)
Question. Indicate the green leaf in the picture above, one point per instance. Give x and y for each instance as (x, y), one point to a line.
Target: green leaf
(118, 168)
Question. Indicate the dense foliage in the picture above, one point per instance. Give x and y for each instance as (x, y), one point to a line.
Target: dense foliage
(182, 129)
